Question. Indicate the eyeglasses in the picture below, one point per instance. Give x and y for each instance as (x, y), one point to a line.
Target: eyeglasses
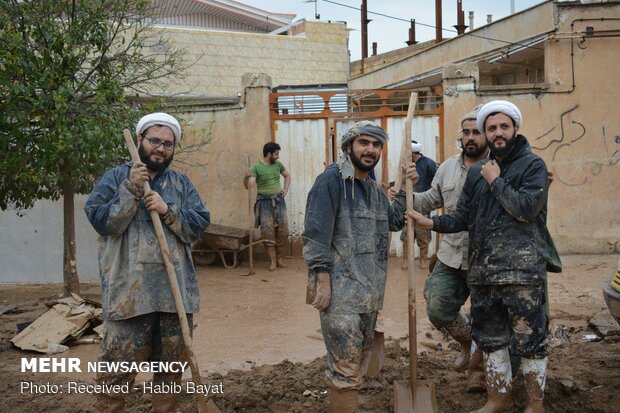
(156, 142)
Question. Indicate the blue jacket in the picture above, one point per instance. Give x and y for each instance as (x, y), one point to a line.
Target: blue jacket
(346, 235)
(134, 280)
(426, 168)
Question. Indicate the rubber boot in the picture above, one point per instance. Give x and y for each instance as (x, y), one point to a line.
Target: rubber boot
(271, 251)
(342, 401)
(460, 330)
(475, 372)
(404, 263)
(535, 376)
(424, 257)
(499, 382)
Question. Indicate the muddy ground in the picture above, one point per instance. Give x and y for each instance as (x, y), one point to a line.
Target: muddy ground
(255, 336)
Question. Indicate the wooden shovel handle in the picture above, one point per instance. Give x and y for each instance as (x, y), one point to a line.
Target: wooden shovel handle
(172, 278)
(405, 149)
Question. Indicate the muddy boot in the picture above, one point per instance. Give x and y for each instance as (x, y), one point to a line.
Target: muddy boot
(280, 262)
(342, 401)
(164, 403)
(498, 378)
(424, 257)
(460, 330)
(534, 375)
(271, 251)
(475, 372)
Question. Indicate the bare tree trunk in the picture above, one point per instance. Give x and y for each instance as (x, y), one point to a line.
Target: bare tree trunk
(70, 275)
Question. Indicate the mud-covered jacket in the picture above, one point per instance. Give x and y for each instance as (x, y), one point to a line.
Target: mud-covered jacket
(133, 276)
(506, 220)
(346, 235)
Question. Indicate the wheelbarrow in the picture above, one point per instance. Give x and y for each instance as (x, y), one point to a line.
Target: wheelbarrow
(227, 242)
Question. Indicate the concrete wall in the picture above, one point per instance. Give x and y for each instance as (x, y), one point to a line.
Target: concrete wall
(31, 244)
(237, 132)
(577, 132)
(318, 56)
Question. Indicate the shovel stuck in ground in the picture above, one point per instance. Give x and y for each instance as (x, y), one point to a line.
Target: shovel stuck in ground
(417, 396)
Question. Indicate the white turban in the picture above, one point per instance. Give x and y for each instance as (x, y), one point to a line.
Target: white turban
(416, 147)
(502, 106)
(162, 119)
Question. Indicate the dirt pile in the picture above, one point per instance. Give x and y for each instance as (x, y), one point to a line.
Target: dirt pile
(575, 384)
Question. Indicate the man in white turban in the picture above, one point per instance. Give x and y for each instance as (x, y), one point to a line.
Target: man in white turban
(503, 205)
(140, 321)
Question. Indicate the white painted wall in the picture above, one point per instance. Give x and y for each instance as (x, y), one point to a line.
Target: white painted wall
(31, 246)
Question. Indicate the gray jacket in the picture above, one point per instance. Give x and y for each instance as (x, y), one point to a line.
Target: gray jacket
(134, 280)
(346, 235)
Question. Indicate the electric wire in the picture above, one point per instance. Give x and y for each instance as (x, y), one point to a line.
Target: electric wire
(431, 26)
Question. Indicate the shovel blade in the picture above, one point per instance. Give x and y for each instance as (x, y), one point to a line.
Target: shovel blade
(377, 357)
(424, 397)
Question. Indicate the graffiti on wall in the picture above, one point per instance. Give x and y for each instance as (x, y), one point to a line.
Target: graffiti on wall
(575, 160)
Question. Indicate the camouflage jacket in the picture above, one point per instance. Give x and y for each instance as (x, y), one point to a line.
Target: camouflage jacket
(346, 235)
(506, 220)
(133, 276)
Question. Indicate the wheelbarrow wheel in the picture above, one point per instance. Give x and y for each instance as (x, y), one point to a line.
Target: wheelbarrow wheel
(204, 258)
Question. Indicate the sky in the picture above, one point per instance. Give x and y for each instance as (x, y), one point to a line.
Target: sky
(391, 33)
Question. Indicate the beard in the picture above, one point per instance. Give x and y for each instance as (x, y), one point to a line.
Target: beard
(357, 162)
(504, 151)
(476, 151)
(154, 166)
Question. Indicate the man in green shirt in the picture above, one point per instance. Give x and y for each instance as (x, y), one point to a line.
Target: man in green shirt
(270, 208)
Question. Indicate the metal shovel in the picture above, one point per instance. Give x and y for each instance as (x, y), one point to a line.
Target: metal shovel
(417, 396)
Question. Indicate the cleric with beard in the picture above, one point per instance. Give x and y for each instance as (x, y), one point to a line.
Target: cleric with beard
(504, 207)
(140, 320)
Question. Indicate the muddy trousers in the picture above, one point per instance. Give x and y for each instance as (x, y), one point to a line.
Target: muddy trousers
(445, 292)
(272, 218)
(510, 315)
(348, 339)
(149, 337)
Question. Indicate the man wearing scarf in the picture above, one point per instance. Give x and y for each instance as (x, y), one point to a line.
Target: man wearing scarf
(503, 204)
(348, 217)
